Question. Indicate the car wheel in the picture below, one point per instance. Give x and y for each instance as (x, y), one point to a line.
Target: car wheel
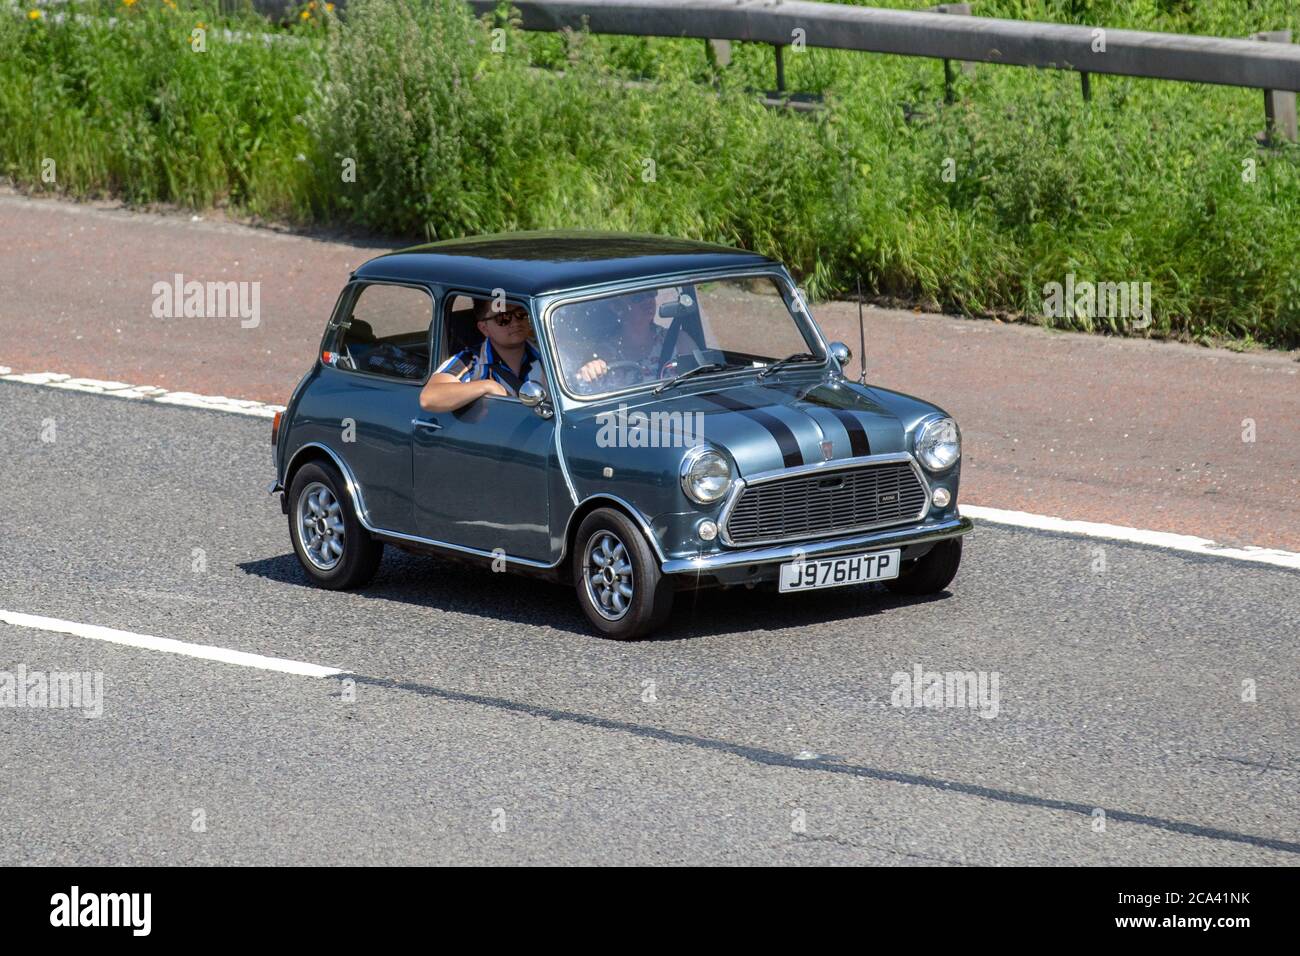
(929, 574)
(332, 547)
(620, 587)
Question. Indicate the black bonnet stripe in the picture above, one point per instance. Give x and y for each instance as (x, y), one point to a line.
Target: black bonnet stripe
(858, 442)
(779, 430)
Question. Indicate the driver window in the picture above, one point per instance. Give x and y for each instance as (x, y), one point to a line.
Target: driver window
(387, 332)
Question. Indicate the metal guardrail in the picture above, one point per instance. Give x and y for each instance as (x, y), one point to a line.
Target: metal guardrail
(1167, 56)
(1273, 67)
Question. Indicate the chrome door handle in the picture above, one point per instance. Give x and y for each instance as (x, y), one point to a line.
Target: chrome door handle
(422, 423)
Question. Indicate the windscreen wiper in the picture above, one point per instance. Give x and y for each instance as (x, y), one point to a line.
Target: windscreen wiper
(788, 360)
(706, 367)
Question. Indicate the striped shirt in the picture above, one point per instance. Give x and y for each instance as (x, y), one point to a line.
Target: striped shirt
(483, 362)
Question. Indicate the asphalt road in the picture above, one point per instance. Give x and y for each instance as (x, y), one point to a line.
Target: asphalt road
(489, 725)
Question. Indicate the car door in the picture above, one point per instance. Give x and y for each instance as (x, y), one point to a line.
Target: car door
(375, 364)
(481, 475)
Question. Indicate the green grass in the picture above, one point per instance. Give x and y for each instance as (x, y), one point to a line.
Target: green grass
(448, 138)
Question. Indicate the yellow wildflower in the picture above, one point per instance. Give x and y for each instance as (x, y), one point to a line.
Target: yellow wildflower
(33, 14)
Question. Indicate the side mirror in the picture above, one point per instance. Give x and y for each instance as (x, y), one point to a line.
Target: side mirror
(534, 396)
(841, 353)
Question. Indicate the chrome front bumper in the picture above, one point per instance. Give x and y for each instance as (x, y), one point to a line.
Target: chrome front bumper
(888, 538)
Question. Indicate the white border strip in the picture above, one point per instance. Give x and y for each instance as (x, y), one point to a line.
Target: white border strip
(167, 645)
(148, 393)
(1115, 532)
(1020, 519)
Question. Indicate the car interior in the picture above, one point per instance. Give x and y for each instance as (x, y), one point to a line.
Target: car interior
(404, 355)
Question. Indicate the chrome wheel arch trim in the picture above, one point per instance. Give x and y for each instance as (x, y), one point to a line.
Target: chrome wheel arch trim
(354, 490)
(626, 506)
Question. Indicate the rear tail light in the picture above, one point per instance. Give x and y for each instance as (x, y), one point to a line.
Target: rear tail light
(275, 429)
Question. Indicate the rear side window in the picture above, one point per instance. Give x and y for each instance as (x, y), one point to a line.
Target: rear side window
(387, 332)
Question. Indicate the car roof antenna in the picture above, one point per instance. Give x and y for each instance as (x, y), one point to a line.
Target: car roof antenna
(862, 339)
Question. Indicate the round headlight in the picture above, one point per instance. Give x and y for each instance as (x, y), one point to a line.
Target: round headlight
(938, 444)
(706, 475)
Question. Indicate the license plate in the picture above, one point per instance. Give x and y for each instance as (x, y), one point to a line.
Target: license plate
(839, 572)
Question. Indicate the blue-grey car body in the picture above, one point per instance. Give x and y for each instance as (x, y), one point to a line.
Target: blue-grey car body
(497, 480)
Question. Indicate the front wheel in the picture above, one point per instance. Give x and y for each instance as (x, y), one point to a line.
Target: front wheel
(332, 547)
(929, 574)
(620, 587)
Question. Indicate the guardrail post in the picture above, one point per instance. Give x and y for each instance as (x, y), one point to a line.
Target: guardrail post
(780, 67)
(1279, 105)
(719, 51)
(968, 68)
(1085, 80)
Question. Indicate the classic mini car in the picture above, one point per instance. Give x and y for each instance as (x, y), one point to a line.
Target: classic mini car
(681, 423)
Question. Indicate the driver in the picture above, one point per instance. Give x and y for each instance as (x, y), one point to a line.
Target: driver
(634, 339)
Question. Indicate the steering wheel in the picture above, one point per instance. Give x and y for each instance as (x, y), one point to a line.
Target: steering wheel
(624, 373)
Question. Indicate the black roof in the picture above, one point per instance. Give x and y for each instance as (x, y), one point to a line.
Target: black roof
(534, 263)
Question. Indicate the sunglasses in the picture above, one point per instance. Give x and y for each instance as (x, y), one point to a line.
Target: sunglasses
(512, 315)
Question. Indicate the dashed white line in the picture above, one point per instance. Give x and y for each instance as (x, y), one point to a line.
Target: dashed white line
(168, 646)
(1020, 519)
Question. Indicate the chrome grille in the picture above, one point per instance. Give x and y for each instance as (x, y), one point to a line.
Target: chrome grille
(827, 502)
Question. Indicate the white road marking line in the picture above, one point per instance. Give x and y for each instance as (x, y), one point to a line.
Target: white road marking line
(1115, 532)
(148, 393)
(167, 645)
(1020, 519)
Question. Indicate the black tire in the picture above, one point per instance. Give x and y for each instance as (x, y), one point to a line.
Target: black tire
(360, 552)
(651, 600)
(929, 574)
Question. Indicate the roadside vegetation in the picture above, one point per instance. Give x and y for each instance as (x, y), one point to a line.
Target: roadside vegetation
(403, 120)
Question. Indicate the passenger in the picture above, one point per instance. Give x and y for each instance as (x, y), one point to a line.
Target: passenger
(506, 359)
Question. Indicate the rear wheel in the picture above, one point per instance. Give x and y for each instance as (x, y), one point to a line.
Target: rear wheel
(332, 547)
(619, 584)
(929, 574)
